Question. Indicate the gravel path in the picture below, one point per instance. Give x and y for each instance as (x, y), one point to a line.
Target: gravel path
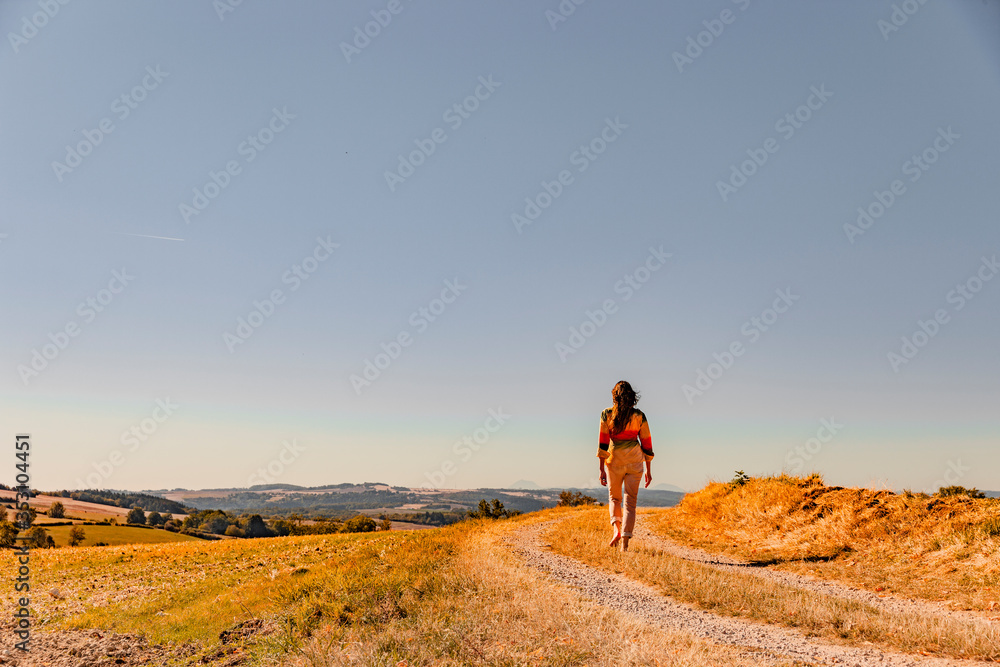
(624, 594)
(832, 588)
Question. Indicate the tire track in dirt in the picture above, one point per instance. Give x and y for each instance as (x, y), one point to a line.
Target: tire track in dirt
(888, 603)
(627, 595)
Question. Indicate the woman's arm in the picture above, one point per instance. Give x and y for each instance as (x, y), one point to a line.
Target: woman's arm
(649, 472)
(604, 473)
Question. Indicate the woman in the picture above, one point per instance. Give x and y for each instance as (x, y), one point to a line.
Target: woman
(623, 446)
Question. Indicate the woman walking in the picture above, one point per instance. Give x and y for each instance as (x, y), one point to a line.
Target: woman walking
(623, 447)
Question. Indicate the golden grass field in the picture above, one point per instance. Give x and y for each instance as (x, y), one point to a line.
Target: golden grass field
(457, 595)
(940, 549)
(116, 535)
(449, 596)
(584, 536)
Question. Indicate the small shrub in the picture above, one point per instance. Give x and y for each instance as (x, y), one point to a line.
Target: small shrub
(492, 510)
(574, 499)
(739, 479)
(38, 538)
(57, 510)
(8, 533)
(946, 491)
(814, 479)
(359, 524)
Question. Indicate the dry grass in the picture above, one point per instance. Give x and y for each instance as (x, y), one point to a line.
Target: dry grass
(911, 545)
(585, 533)
(485, 608)
(116, 535)
(451, 596)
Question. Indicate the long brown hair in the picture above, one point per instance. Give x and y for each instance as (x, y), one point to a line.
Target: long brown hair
(621, 412)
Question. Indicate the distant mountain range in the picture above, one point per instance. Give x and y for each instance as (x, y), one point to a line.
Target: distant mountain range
(528, 484)
(374, 498)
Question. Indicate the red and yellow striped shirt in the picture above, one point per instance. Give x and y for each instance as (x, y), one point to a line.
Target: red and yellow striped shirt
(636, 432)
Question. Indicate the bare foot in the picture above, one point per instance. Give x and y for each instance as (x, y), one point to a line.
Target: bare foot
(618, 536)
(625, 543)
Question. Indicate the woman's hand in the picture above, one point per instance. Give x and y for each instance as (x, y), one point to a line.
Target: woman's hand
(649, 475)
(604, 474)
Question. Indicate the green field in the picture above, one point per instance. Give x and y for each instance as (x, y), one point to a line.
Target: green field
(113, 535)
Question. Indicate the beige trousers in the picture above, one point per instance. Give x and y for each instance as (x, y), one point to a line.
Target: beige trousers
(624, 470)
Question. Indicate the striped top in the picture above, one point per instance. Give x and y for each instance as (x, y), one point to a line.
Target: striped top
(635, 433)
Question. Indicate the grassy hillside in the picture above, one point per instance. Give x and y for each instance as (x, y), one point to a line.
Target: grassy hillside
(458, 595)
(935, 548)
(451, 596)
(585, 533)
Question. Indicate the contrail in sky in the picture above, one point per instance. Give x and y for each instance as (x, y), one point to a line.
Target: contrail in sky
(147, 236)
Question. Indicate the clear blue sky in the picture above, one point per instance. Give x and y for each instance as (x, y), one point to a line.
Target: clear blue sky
(645, 143)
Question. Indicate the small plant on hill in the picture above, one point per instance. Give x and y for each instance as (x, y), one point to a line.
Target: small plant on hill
(136, 515)
(575, 499)
(56, 510)
(946, 491)
(493, 510)
(739, 479)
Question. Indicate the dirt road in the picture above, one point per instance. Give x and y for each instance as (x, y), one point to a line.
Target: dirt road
(619, 592)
